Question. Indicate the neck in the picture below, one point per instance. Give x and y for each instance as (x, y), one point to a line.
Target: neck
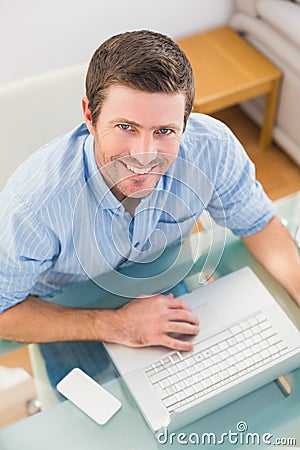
(130, 204)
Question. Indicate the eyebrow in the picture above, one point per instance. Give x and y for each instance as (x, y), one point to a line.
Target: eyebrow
(137, 125)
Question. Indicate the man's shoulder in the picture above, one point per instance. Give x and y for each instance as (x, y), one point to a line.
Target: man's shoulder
(203, 133)
(202, 126)
(51, 170)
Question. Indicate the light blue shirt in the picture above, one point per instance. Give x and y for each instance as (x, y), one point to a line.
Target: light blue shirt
(59, 222)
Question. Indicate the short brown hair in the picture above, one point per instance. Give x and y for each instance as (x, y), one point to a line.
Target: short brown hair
(143, 60)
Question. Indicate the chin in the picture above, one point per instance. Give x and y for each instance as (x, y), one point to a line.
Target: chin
(136, 190)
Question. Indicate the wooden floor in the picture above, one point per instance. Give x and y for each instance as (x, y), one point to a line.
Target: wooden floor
(278, 174)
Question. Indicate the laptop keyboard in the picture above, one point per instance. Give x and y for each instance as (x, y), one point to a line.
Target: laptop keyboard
(182, 377)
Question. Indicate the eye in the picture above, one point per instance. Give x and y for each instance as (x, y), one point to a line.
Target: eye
(164, 131)
(125, 126)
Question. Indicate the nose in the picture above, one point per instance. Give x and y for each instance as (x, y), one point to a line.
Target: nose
(144, 150)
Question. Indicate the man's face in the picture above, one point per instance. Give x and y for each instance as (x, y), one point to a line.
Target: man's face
(137, 138)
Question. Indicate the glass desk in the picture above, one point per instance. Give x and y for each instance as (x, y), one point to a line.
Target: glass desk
(266, 410)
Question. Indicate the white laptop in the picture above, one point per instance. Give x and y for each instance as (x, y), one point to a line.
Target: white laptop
(245, 341)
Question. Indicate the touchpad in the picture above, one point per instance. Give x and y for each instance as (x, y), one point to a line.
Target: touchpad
(207, 316)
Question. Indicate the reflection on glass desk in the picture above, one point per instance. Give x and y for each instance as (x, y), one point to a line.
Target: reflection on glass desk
(264, 415)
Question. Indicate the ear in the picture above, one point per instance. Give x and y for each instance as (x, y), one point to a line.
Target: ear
(87, 115)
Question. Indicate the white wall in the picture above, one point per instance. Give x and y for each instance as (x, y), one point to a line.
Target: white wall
(40, 35)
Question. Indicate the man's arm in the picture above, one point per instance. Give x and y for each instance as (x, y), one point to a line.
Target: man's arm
(142, 322)
(274, 248)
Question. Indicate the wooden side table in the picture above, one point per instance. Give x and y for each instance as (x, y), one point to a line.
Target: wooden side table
(228, 70)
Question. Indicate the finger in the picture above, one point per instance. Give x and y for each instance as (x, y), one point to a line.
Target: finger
(184, 315)
(177, 303)
(182, 328)
(177, 344)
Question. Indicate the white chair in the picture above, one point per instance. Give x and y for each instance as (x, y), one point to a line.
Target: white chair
(32, 112)
(35, 110)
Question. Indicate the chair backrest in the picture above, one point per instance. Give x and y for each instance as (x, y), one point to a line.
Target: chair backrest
(35, 110)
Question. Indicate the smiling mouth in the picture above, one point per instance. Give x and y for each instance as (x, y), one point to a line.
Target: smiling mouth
(138, 171)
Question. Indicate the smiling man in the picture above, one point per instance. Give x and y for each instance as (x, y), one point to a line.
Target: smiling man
(134, 177)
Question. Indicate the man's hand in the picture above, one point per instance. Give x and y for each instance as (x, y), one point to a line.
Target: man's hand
(148, 321)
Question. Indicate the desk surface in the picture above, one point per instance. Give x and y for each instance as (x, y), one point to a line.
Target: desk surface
(65, 427)
(264, 411)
